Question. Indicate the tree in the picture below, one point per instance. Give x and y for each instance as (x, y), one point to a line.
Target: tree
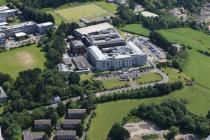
(208, 115)
(117, 132)
(173, 131)
(74, 78)
(61, 109)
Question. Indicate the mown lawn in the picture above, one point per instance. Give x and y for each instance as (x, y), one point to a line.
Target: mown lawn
(136, 29)
(150, 77)
(197, 96)
(113, 83)
(111, 7)
(20, 59)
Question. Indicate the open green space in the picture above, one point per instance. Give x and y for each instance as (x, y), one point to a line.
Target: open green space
(20, 59)
(78, 12)
(109, 113)
(174, 75)
(148, 78)
(197, 66)
(114, 83)
(111, 7)
(2, 2)
(136, 29)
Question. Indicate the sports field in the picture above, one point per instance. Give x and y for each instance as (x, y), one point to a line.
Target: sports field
(198, 96)
(75, 13)
(136, 29)
(20, 59)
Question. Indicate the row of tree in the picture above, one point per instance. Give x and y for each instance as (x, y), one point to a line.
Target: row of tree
(157, 90)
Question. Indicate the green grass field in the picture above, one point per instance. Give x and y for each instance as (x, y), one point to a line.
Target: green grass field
(75, 11)
(150, 77)
(20, 59)
(107, 6)
(113, 83)
(136, 29)
(174, 75)
(2, 2)
(198, 96)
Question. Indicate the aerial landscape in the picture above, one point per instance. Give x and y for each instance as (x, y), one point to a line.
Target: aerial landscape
(104, 70)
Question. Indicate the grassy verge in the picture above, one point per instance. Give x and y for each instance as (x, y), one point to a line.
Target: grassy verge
(148, 78)
(114, 83)
(136, 29)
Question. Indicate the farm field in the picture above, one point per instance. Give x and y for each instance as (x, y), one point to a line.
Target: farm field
(150, 77)
(198, 96)
(20, 59)
(136, 29)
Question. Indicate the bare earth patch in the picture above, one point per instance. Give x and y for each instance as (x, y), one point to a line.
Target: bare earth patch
(24, 58)
(142, 128)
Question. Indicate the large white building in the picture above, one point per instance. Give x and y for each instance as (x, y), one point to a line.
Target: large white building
(114, 58)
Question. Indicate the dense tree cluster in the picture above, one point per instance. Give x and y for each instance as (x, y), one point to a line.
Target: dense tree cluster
(173, 112)
(155, 5)
(117, 132)
(157, 90)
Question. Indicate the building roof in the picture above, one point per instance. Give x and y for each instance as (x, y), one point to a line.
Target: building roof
(42, 121)
(2, 93)
(27, 135)
(3, 23)
(148, 14)
(66, 132)
(2, 8)
(71, 121)
(76, 110)
(8, 11)
(93, 28)
(117, 52)
(45, 24)
(81, 63)
(63, 68)
(20, 34)
(77, 43)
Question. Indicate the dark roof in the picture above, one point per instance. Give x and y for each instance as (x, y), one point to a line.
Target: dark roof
(42, 121)
(66, 132)
(71, 121)
(76, 110)
(2, 93)
(27, 135)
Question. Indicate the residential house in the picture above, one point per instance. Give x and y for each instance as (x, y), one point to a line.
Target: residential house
(65, 135)
(76, 113)
(3, 95)
(71, 123)
(42, 124)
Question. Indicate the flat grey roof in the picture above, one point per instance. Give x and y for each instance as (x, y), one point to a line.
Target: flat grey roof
(94, 28)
